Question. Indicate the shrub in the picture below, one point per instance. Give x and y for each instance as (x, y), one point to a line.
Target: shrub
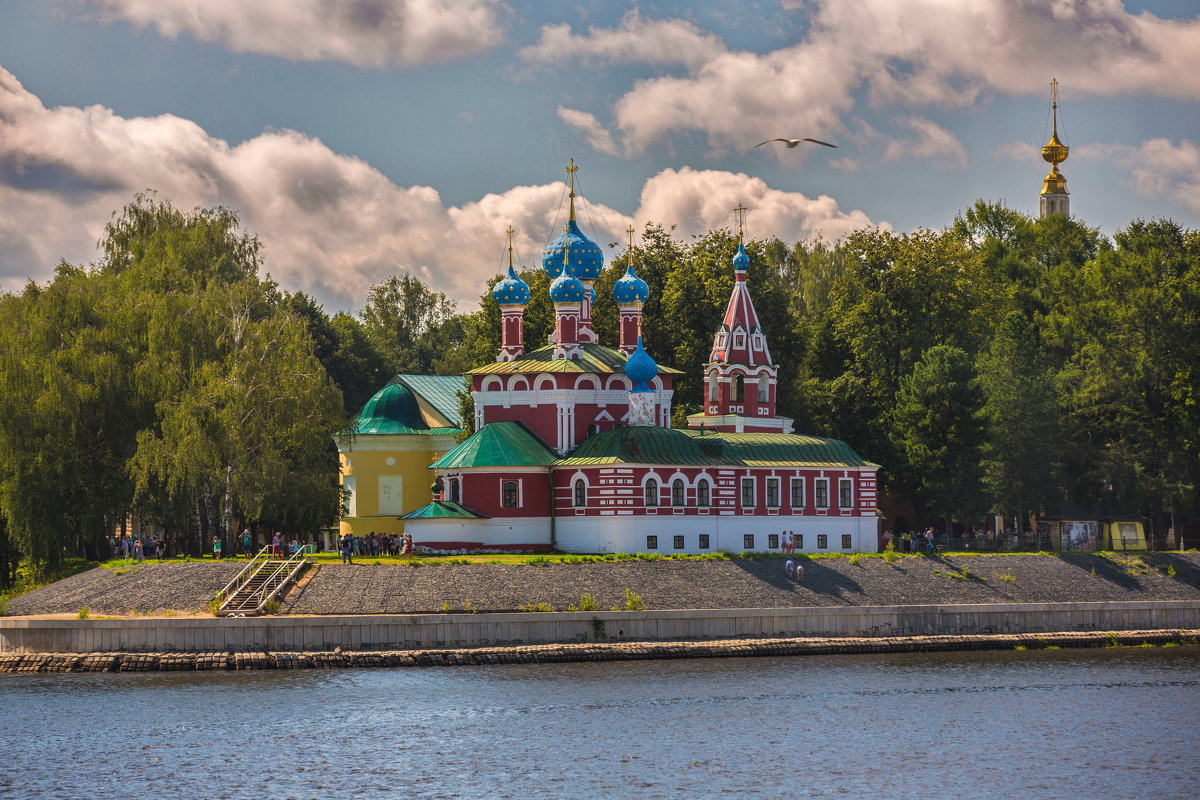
(83, 613)
(889, 554)
(587, 602)
(633, 602)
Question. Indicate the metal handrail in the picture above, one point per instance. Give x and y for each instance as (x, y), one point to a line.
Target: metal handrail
(283, 575)
(247, 573)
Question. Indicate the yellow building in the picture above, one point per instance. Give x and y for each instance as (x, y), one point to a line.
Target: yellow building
(385, 455)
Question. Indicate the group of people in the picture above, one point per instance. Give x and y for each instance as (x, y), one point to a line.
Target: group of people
(908, 542)
(137, 546)
(787, 542)
(793, 569)
(374, 544)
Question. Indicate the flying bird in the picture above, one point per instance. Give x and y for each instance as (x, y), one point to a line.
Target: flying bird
(793, 142)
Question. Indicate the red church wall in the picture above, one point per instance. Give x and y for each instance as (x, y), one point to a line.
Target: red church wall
(608, 491)
(484, 492)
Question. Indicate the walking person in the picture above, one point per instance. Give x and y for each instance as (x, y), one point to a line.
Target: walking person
(347, 548)
(247, 541)
(216, 548)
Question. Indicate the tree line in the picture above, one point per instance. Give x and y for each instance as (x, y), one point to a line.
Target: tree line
(1003, 363)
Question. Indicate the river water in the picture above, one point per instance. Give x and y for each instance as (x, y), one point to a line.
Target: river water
(1119, 723)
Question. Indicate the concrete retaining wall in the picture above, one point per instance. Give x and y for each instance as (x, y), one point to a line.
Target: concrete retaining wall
(415, 631)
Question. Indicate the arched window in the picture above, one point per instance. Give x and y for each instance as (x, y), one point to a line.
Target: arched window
(509, 494)
(737, 390)
(764, 389)
(454, 492)
(702, 492)
(677, 492)
(712, 388)
(652, 492)
(580, 493)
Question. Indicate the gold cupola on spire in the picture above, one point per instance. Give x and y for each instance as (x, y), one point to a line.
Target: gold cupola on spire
(1055, 198)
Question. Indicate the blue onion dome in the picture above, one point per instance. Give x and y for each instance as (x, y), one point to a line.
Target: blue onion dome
(741, 261)
(567, 289)
(585, 260)
(640, 368)
(512, 291)
(630, 288)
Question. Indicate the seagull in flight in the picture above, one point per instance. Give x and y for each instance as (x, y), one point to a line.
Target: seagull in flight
(793, 142)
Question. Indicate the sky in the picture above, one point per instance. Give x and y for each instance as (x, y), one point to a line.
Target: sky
(365, 138)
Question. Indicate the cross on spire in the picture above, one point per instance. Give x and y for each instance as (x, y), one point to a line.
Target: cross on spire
(509, 232)
(571, 170)
(739, 214)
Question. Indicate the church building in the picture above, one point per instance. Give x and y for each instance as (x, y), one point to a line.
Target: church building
(573, 448)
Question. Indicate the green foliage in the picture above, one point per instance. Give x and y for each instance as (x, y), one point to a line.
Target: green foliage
(633, 601)
(1021, 409)
(939, 430)
(587, 602)
(889, 554)
(83, 613)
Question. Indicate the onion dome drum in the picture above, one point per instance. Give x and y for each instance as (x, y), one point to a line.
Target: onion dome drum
(584, 258)
(641, 369)
(567, 289)
(741, 261)
(512, 291)
(630, 288)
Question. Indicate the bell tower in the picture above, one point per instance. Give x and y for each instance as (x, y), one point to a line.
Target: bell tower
(1055, 199)
(740, 380)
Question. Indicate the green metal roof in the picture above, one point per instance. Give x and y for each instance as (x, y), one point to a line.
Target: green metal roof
(596, 359)
(777, 449)
(393, 409)
(444, 509)
(498, 444)
(439, 391)
(638, 445)
(650, 445)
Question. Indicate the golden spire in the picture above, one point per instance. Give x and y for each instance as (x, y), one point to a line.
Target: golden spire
(629, 245)
(739, 214)
(571, 170)
(1055, 152)
(510, 245)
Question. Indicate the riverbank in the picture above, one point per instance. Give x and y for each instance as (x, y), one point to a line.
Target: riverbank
(595, 651)
(737, 583)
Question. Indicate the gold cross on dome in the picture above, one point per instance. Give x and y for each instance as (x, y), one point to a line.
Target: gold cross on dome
(510, 245)
(739, 214)
(571, 170)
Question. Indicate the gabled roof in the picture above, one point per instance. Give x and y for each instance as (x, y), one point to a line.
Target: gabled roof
(498, 444)
(596, 359)
(777, 449)
(688, 447)
(444, 509)
(439, 391)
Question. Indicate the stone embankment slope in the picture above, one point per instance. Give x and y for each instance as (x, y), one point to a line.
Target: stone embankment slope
(151, 588)
(738, 583)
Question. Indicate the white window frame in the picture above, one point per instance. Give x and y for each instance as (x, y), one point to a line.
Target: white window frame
(792, 493)
(773, 483)
(845, 485)
(576, 485)
(520, 492)
(742, 493)
(821, 486)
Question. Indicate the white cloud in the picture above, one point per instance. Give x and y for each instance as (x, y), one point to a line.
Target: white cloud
(699, 200)
(1157, 167)
(366, 33)
(1018, 151)
(331, 225)
(593, 132)
(670, 41)
(914, 52)
(933, 142)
